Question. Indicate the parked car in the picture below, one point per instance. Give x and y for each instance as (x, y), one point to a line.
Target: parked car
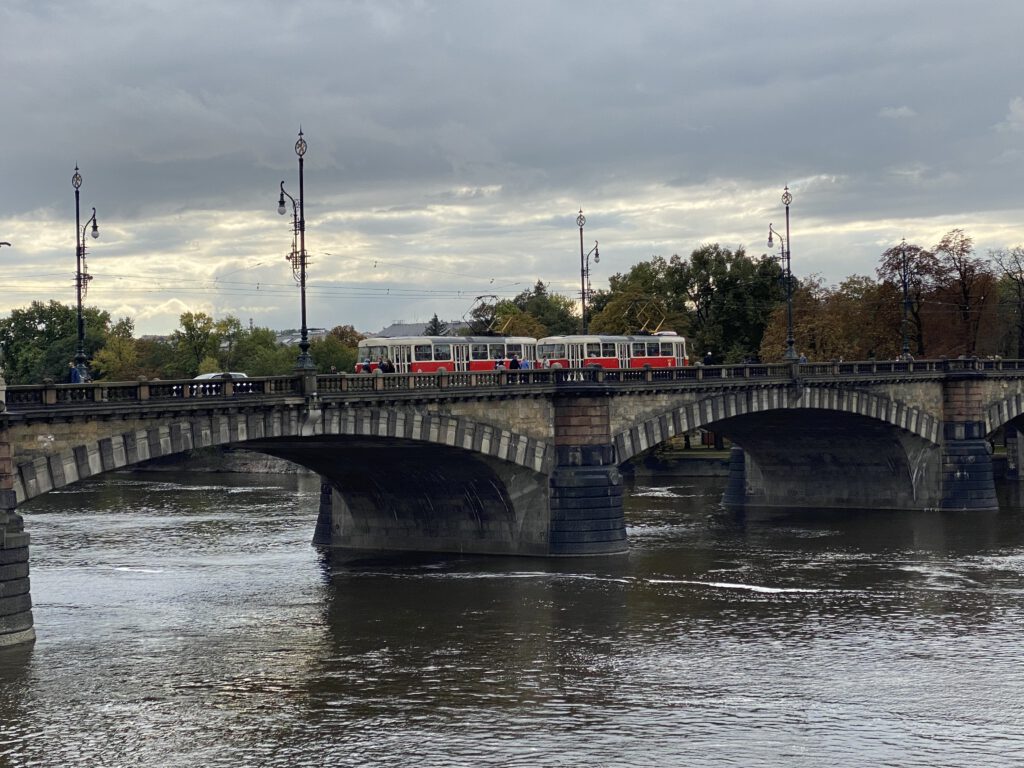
(221, 375)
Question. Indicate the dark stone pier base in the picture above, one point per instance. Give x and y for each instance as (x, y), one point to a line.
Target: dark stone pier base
(322, 532)
(586, 511)
(15, 601)
(967, 478)
(735, 494)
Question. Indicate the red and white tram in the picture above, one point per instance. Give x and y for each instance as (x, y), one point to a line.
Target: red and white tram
(432, 354)
(662, 350)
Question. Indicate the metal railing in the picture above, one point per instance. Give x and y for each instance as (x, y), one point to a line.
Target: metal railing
(339, 386)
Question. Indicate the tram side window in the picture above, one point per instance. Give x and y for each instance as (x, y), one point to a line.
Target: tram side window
(639, 349)
(421, 353)
(653, 349)
(514, 349)
(442, 351)
(666, 348)
(478, 351)
(608, 349)
(497, 351)
(593, 349)
(551, 350)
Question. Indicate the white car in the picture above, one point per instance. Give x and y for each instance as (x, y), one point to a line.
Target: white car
(221, 375)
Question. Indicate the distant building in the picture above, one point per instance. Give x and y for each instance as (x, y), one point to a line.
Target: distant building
(455, 328)
(291, 338)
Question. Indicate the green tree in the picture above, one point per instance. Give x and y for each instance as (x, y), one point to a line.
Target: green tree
(643, 300)
(276, 360)
(39, 340)
(253, 348)
(195, 340)
(435, 327)
(228, 332)
(332, 351)
(513, 321)
(157, 359)
(118, 360)
(555, 313)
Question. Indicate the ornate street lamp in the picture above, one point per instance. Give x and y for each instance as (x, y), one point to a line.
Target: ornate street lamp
(82, 276)
(585, 271)
(787, 198)
(298, 255)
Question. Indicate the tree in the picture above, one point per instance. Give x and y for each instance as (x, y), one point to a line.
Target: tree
(1011, 266)
(513, 321)
(918, 269)
(40, 340)
(555, 313)
(964, 277)
(347, 335)
(731, 296)
(642, 301)
(435, 327)
(118, 360)
(332, 351)
(195, 340)
(227, 333)
(157, 359)
(258, 344)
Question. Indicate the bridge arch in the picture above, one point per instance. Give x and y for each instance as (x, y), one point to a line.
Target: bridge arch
(707, 410)
(268, 431)
(1002, 412)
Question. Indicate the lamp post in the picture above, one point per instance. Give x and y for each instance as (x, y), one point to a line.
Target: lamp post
(585, 271)
(787, 198)
(905, 279)
(82, 276)
(298, 255)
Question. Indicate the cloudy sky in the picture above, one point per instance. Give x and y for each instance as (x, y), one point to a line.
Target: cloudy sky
(451, 144)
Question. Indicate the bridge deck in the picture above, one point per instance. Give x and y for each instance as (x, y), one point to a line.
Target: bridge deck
(27, 399)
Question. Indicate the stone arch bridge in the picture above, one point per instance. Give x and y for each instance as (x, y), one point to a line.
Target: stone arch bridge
(524, 462)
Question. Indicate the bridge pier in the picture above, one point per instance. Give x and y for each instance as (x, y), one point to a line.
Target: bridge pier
(1012, 453)
(15, 600)
(968, 482)
(585, 504)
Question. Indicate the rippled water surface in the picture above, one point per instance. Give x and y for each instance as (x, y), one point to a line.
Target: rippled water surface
(185, 620)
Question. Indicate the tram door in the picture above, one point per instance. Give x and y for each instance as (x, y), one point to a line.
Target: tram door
(402, 357)
(461, 354)
(574, 351)
(622, 353)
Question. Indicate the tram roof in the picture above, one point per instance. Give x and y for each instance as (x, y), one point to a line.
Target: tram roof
(384, 340)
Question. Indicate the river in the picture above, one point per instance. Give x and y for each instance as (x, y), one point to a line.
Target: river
(185, 620)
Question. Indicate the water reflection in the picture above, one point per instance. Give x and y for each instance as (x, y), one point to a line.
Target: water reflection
(185, 621)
